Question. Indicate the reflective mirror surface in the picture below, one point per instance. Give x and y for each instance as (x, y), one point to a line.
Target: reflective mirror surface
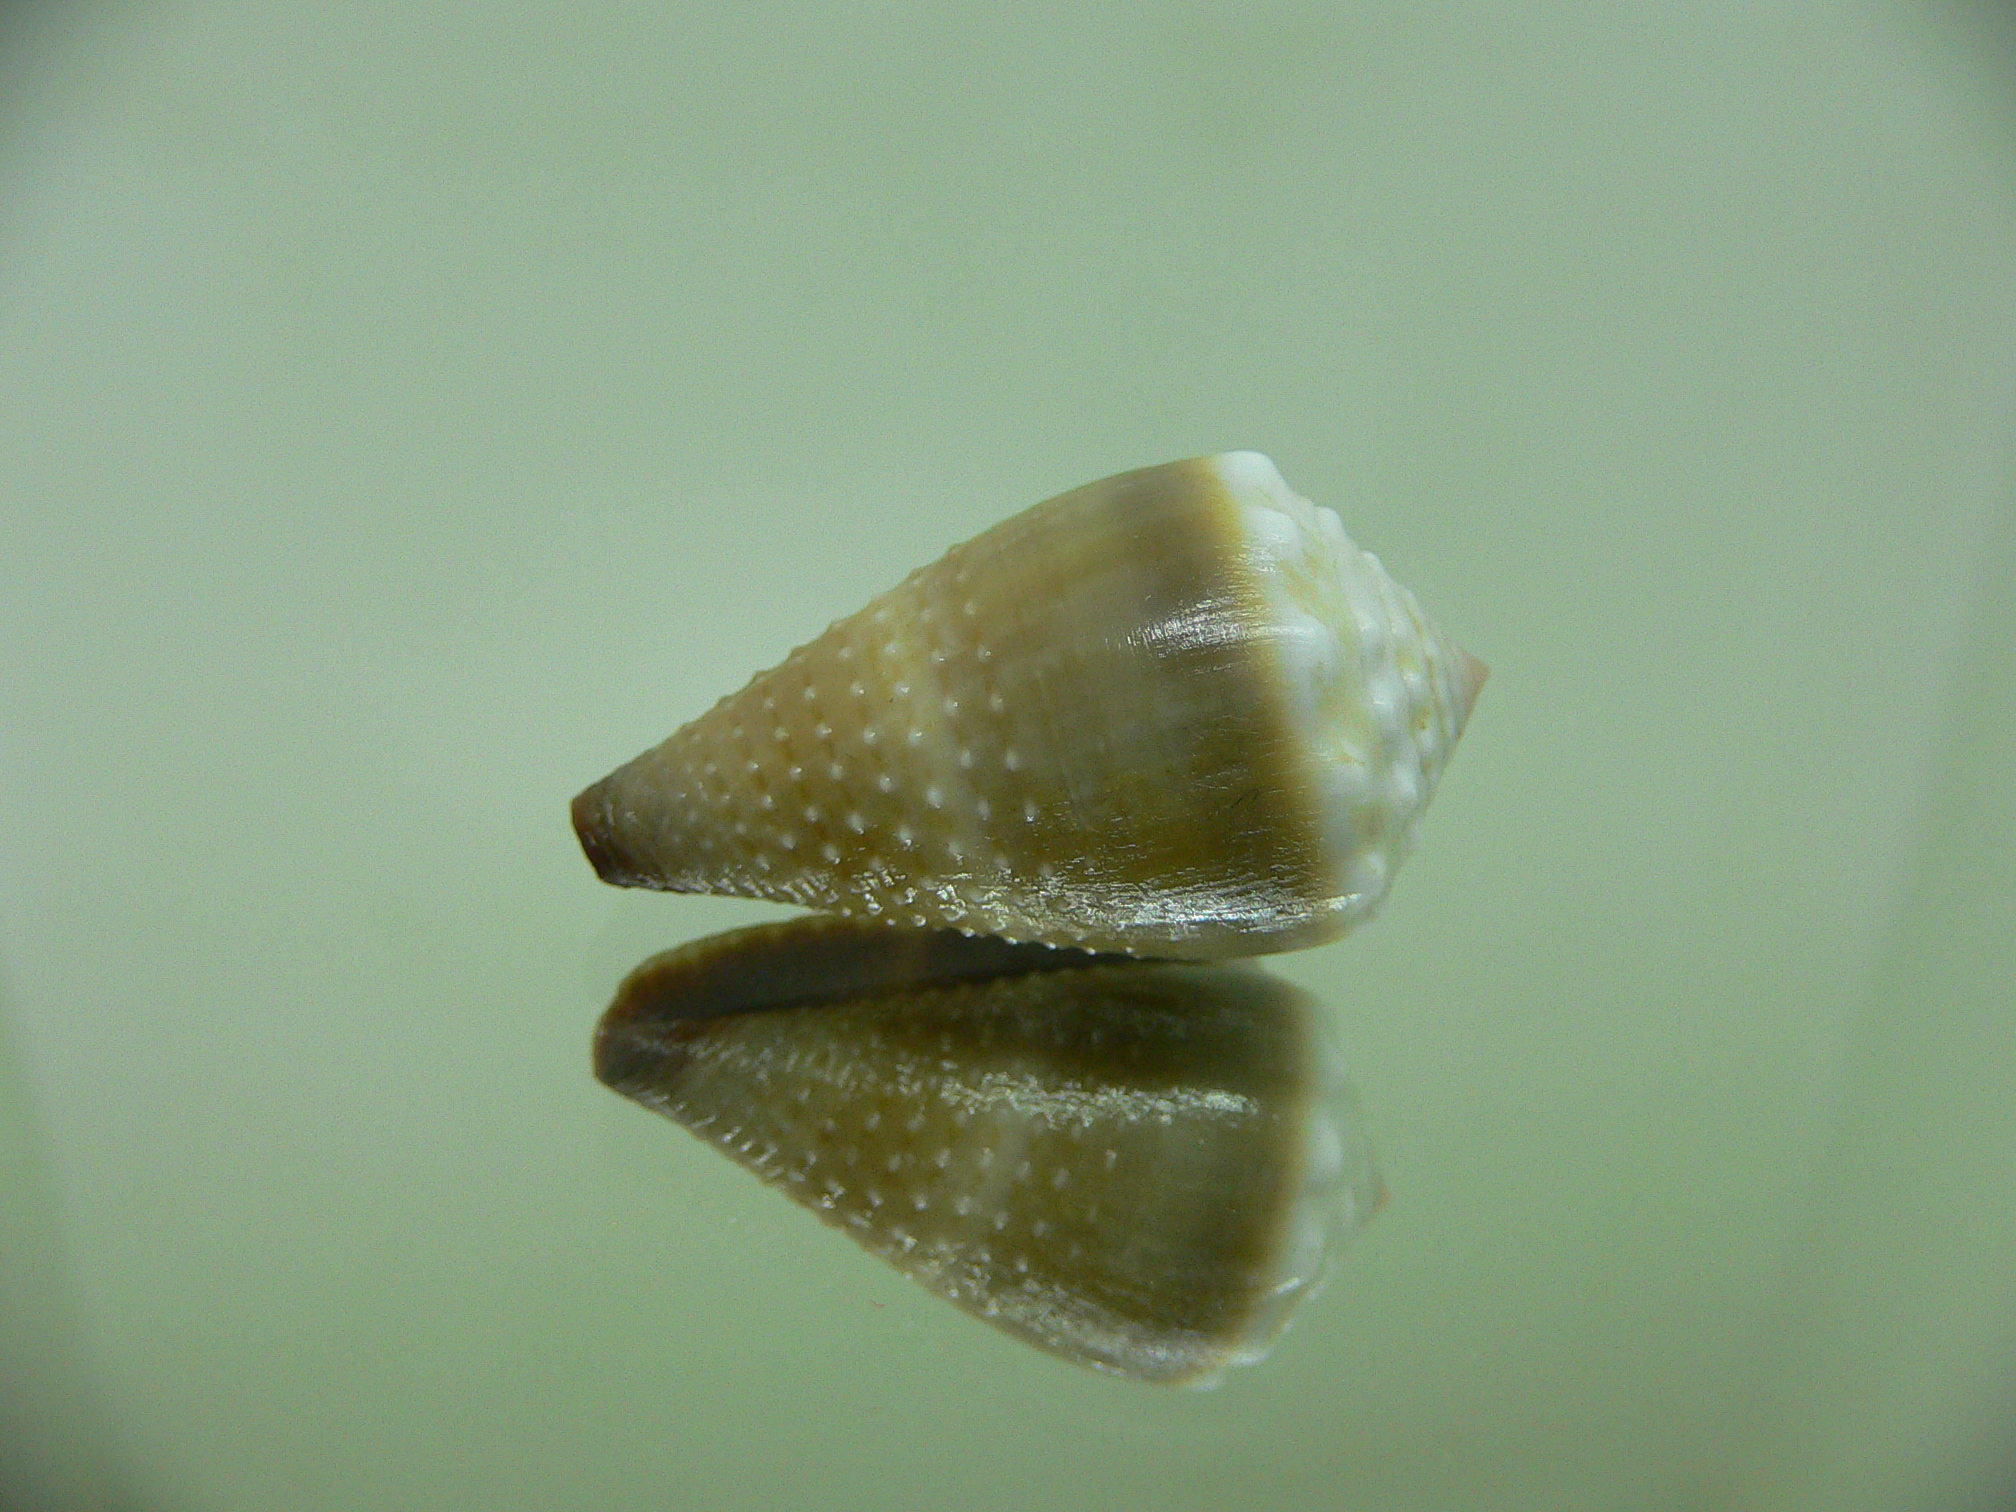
(1141, 1166)
(411, 412)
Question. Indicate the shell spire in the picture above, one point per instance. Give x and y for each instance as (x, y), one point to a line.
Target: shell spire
(1172, 713)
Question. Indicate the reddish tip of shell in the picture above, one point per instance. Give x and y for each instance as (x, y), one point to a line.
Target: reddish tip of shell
(595, 827)
(1471, 675)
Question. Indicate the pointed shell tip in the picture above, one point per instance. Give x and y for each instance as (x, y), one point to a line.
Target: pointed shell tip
(594, 827)
(1471, 675)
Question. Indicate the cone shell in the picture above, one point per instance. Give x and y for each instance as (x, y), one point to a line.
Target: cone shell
(1174, 713)
(1140, 1166)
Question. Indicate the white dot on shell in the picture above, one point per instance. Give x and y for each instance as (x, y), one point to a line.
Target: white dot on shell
(858, 689)
(966, 759)
(835, 771)
(811, 693)
(934, 797)
(868, 735)
(916, 737)
(905, 835)
(1012, 759)
(1029, 810)
(857, 824)
(983, 808)
(886, 783)
(830, 851)
(996, 703)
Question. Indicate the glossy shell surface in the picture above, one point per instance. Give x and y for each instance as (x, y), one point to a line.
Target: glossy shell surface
(1173, 713)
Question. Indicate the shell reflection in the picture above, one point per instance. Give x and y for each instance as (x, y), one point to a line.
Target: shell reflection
(1139, 1166)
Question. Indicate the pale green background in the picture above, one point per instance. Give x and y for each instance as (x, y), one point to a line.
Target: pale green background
(410, 410)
